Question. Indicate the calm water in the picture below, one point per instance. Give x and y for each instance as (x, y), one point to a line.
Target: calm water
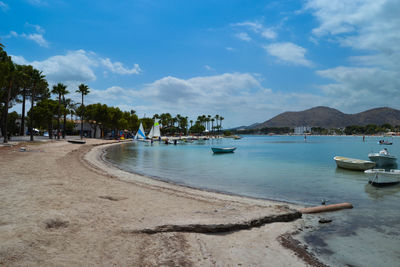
(291, 169)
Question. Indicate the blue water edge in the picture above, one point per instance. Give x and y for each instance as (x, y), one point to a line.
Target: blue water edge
(292, 169)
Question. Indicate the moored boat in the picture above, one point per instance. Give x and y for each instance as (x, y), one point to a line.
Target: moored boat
(223, 149)
(353, 164)
(382, 177)
(77, 141)
(382, 158)
(383, 142)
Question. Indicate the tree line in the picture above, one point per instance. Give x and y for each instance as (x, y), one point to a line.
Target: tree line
(23, 84)
(369, 129)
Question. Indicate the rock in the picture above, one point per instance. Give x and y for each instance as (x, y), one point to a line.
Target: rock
(323, 220)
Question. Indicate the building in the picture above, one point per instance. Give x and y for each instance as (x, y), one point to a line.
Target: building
(302, 130)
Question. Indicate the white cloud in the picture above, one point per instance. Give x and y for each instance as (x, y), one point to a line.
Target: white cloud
(76, 67)
(239, 97)
(209, 68)
(256, 27)
(369, 26)
(36, 37)
(289, 53)
(243, 36)
(117, 67)
(268, 34)
(356, 88)
(37, 2)
(3, 6)
(36, 27)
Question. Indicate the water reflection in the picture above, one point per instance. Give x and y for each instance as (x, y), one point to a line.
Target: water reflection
(381, 192)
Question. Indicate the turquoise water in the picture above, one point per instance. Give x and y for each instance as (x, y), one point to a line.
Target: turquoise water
(288, 168)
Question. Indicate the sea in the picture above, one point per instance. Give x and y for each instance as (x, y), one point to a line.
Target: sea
(292, 169)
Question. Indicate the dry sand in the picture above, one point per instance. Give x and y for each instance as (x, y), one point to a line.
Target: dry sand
(61, 205)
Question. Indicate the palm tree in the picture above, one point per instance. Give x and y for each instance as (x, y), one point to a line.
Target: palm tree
(24, 79)
(220, 122)
(60, 90)
(84, 90)
(38, 84)
(217, 119)
(68, 108)
(212, 125)
(11, 74)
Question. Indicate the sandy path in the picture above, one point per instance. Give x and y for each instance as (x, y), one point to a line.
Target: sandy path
(58, 209)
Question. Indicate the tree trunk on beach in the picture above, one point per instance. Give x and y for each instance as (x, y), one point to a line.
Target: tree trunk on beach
(5, 134)
(22, 129)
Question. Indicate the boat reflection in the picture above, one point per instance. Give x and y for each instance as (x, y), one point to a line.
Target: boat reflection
(381, 192)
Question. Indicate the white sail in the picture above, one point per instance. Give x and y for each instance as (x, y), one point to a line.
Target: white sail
(156, 129)
(140, 133)
(151, 134)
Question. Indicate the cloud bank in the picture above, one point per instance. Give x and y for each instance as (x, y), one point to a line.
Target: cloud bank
(77, 66)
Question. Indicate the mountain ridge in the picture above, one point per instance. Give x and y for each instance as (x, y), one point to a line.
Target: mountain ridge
(326, 117)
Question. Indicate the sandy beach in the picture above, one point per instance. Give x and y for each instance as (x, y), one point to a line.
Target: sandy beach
(62, 205)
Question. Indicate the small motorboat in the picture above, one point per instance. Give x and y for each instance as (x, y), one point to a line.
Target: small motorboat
(382, 158)
(381, 177)
(383, 142)
(353, 164)
(218, 150)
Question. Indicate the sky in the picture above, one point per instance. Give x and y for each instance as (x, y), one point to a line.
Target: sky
(244, 60)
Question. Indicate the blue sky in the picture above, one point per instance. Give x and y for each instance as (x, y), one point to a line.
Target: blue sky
(244, 60)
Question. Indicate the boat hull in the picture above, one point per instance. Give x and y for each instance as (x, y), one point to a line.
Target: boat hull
(77, 141)
(382, 160)
(220, 150)
(353, 164)
(381, 177)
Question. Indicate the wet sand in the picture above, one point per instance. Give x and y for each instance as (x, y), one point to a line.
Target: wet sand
(61, 204)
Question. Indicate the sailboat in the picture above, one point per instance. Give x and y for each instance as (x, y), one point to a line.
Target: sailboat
(140, 136)
(155, 130)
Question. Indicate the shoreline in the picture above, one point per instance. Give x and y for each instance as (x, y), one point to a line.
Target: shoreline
(185, 186)
(62, 206)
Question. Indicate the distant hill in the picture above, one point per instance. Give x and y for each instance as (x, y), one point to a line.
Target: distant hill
(326, 117)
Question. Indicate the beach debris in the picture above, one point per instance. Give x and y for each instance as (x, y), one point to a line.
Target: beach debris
(55, 223)
(324, 220)
(22, 149)
(218, 228)
(325, 208)
(113, 198)
(300, 249)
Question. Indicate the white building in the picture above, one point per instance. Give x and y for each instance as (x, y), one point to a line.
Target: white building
(302, 129)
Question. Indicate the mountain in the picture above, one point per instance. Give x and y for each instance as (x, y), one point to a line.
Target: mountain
(326, 117)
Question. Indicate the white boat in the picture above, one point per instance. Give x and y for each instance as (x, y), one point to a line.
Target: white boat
(383, 177)
(383, 158)
(140, 136)
(353, 164)
(155, 130)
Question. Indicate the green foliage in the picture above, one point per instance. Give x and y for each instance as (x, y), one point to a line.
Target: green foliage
(368, 129)
(147, 123)
(197, 128)
(227, 133)
(45, 111)
(13, 127)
